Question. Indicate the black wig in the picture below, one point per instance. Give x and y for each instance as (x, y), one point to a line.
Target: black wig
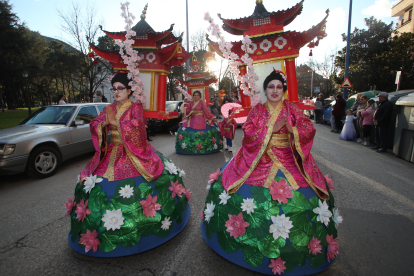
(275, 75)
(122, 78)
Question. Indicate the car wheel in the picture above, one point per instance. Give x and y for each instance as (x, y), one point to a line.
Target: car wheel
(43, 162)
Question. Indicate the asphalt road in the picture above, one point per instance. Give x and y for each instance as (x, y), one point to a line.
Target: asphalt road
(374, 192)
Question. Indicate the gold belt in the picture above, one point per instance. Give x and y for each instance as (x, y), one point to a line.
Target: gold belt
(198, 113)
(227, 129)
(279, 141)
(115, 136)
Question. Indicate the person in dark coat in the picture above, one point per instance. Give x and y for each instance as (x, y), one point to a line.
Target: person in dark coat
(339, 111)
(382, 119)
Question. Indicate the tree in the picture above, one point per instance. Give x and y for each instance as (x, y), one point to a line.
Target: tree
(376, 56)
(198, 40)
(81, 23)
(107, 43)
(325, 73)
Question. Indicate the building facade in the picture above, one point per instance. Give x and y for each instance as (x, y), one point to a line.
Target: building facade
(404, 11)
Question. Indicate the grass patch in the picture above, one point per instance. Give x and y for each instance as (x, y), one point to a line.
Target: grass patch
(13, 117)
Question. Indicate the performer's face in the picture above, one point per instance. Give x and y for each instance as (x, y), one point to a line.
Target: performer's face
(274, 91)
(196, 97)
(122, 93)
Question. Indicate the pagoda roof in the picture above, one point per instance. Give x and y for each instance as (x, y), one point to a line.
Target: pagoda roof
(145, 33)
(197, 75)
(253, 26)
(198, 82)
(294, 41)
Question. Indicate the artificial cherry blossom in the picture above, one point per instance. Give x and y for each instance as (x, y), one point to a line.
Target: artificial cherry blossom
(81, 210)
(280, 191)
(333, 247)
(69, 206)
(236, 226)
(150, 206)
(90, 240)
(176, 189)
(314, 246)
(277, 266)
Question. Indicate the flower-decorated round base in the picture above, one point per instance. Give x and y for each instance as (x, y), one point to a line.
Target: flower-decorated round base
(251, 229)
(129, 216)
(198, 141)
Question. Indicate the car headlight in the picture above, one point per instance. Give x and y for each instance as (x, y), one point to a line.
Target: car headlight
(7, 149)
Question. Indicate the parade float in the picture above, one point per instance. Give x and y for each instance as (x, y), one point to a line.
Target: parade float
(198, 133)
(271, 46)
(158, 52)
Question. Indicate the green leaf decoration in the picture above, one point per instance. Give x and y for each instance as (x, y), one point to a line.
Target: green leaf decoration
(292, 257)
(130, 239)
(298, 203)
(233, 206)
(314, 203)
(317, 261)
(320, 232)
(169, 204)
(202, 150)
(209, 230)
(304, 250)
(180, 206)
(164, 233)
(106, 243)
(255, 219)
(219, 219)
(149, 226)
(81, 194)
(302, 230)
(274, 210)
(332, 229)
(96, 200)
(136, 193)
(271, 247)
(262, 231)
(252, 255)
(258, 194)
(227, 243)
(132, 211)
(248, 239)
(145, 190)
(267, 194)
(191, 135)
(75, 228)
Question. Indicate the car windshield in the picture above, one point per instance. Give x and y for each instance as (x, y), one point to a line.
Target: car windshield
(50, 115)
(171, 106)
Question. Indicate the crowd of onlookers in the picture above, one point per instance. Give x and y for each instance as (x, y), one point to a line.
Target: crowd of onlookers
(364, 117)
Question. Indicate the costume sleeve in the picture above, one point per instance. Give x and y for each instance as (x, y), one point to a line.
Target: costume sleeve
(303, 130)
(207, 113)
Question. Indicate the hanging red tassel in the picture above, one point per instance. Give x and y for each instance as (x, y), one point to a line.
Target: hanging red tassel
(317, 42)
(310, 53)
(95, 62)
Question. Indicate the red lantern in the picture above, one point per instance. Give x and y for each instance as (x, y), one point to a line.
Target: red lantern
(311, 45)
(317, 42)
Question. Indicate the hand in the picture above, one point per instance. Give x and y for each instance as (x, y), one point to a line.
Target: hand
(215, 120)
(278, 125)
(110, 116)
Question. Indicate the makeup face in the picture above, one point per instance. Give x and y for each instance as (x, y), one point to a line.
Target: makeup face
(274, 91)
(121, 93)
(196, 97)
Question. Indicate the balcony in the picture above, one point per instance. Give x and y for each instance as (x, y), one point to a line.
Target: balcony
(397, 4)
(403, 24)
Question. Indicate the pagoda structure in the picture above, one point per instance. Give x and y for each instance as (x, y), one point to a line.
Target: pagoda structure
(272, 46)
(156, 62)
(198, 81)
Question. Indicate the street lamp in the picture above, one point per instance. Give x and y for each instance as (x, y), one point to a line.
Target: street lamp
(25, 75)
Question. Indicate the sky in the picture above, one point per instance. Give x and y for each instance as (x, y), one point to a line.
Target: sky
(42, 16)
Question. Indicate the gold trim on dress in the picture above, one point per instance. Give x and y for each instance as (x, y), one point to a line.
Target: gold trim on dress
(132, 157)
(274, 115)
(306, 176)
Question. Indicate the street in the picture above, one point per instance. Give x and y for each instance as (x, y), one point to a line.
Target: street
(374, 193)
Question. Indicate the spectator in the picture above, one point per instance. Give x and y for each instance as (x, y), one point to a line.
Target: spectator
(331, 97)
(236, 100)
(98, 98)
(62, 99)
(367, 120)
(363, 103)
(356, 104)
(382, 119)
(104, 99)
(339, 111)
(318, 110)
(226, 99)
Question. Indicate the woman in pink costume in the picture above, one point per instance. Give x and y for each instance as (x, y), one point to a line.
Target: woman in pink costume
(199, 133)
(129, 198)
(228, 129)
(269, 208)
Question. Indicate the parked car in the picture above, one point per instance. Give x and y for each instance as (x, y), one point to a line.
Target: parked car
(162, 124)
(49, 136)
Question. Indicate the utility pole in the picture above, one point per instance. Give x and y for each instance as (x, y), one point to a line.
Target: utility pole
(347, 48)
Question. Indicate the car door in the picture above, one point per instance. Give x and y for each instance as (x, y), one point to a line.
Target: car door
(81, 134)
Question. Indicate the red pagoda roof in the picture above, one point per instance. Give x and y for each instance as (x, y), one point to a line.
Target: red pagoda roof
(197, 75)
(261, 22)
(146, 37)
(277, 44)
(198, 82)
